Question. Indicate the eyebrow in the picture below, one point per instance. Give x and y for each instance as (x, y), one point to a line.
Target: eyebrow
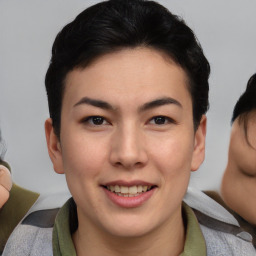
(158, 103)
(95, 103)
(147, 106)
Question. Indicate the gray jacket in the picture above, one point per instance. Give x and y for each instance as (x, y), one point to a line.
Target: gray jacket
(221, 230)
(222, 233)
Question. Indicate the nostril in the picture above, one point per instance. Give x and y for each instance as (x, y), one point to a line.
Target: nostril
(129, 165)
(118, 164)
(138, 164)
(128, 158)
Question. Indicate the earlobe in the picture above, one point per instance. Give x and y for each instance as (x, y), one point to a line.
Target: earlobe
(199, 144)
(54, 148)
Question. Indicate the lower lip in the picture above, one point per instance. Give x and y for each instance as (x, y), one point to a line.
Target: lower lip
(129, 202)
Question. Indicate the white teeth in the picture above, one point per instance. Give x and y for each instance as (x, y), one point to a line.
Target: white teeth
(144, 188)
(124, 190)
(133, 190)
(117, 189)
(139, 189)
(128, 191)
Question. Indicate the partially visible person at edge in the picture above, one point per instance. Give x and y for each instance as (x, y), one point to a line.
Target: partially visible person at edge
(14, 200)
(238, 189)
(127, 89)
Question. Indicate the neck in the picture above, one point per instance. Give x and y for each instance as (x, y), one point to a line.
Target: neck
(166, 240)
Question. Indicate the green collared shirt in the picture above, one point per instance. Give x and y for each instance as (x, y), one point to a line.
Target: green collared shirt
(63, 244)
(195, 242)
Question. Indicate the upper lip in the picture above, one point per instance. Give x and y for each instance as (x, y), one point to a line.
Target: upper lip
(128, 183)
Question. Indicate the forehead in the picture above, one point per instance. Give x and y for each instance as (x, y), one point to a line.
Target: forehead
(138, 74)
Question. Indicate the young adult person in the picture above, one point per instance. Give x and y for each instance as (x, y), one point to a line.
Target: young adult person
(238, 189)
(14, 200)
(127, 89)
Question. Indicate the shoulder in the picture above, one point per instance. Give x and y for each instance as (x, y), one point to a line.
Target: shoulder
(245, 225)
(222, 232)
(224, 243)
(33, 236)
(29, 240)
(19, 203)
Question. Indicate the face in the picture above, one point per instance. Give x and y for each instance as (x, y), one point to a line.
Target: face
(239, 180)
(127, 143)
(5, 185)
(240, 149)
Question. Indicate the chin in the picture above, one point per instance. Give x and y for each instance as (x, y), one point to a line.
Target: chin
(129, 232)
(130, 228)
(250, 217)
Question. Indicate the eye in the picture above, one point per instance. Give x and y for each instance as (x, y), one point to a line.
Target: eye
(96, 120)
(161, 120)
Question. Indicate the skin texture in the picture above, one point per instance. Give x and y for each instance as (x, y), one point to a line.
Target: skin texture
(5, 185)
(239, 181)
(129, 145)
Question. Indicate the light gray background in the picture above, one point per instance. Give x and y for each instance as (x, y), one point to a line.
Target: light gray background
(226, 30)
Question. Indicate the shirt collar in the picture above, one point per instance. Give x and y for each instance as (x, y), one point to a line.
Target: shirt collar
(195, 242)
(63, 244)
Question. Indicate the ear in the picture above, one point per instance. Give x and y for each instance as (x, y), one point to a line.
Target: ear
(54, 148)
(199, 145)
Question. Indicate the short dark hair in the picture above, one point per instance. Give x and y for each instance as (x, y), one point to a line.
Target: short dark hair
(246, 104)
(113, 25)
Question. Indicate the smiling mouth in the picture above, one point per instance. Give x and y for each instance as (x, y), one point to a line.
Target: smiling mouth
(131, 191)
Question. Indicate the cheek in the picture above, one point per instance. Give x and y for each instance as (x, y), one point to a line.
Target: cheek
(243, 155)
(83, 156)
(248, 162)
(173, 156)
(172, 161)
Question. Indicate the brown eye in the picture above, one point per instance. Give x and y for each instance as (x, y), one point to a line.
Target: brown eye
(95, 120)
(160, 120)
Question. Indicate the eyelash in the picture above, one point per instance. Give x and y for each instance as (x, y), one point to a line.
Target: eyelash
(92, 119)
(167, 120)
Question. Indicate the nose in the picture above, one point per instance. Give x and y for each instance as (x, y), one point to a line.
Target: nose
(128, 149)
